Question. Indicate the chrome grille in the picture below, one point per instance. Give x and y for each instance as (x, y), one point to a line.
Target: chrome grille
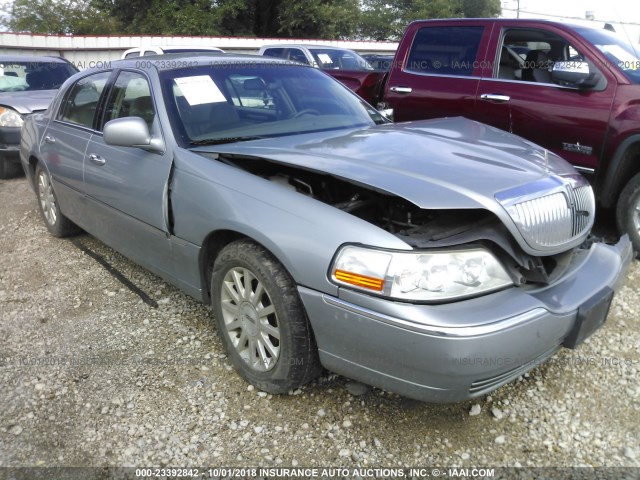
(558, 216)
(546, 220)
(584, 208)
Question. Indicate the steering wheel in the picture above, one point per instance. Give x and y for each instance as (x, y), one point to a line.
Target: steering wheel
(306, 111)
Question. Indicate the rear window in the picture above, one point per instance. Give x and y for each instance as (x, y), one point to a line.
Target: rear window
(36, 75)
(334, 59)
(445, 50)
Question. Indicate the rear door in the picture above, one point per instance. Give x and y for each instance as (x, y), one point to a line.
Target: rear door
(437, 70)
(520, 96)
(66, 138)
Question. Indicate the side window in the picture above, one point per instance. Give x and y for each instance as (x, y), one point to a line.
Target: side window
(132, 54)
(297, 55)
(274, 52)
(529, 55)
(130, 97)
(148, 52)
(445, 50)
(79, 105)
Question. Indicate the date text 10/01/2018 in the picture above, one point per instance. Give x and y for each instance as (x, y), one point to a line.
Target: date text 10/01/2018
(315, 472)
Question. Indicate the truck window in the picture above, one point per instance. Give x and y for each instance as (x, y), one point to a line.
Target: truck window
(274, 52)
(619, 52)
(445, 50)
(528, 55)
(297, 55)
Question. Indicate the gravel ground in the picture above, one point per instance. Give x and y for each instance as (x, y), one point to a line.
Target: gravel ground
(94, 376)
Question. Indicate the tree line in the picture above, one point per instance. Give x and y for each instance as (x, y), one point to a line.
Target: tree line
(329, 19)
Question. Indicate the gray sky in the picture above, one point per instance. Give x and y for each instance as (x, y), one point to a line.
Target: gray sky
(616, 11)
(606, 10)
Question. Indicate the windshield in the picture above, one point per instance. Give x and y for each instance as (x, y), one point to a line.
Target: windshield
(334, 59)
(33, 75)
(618, 51)
(225, 103)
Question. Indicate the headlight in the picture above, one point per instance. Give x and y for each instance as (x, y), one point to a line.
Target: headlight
(422, 277)
(10, 118)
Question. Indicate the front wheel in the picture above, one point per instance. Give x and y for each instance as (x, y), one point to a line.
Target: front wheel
(628, 211)
(261, 319)
(57, 224)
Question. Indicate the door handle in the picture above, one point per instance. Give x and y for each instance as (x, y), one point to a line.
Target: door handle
(97, 159)
(495, 97)
(401, 89)
(49, 139)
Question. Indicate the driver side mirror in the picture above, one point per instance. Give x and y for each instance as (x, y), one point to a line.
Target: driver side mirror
(131, 132)
(574, 74)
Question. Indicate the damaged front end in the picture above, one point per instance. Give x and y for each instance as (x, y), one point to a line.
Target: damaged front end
(438, 229)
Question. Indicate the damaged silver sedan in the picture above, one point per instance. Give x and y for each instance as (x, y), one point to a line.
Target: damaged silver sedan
(437, 259)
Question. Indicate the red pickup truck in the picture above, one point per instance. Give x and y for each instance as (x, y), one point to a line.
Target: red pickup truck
(571, 89)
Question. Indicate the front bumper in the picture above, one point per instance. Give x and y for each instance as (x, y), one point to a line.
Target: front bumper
(10, 144)
(456, 351)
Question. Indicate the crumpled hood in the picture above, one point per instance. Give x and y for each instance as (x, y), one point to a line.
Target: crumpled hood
(442, 163)
(28, 101)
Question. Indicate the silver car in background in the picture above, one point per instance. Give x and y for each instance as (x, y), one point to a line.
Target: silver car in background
(27, 85)
(320, 56)
(438, 259)
(166, 49)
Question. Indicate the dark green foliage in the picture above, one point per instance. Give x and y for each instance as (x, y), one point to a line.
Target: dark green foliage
(385, 20)
(331, 19)
(58, 17)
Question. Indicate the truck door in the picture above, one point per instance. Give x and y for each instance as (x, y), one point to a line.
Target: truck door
(521, 97)
(437, 70)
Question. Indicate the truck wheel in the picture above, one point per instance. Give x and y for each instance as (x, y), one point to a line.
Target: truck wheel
(57, 224)
(9, 169)
(628, 211)
(261, 319)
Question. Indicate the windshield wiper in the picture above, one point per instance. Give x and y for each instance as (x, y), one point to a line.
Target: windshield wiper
(219, 141)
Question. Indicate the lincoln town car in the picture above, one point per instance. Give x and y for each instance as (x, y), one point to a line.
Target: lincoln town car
(438, 259)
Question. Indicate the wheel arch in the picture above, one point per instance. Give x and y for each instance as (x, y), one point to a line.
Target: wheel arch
(33, 163)
(624, 166)
(213, 243)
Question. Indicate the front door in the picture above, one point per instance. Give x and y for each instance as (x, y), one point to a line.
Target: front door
(522, 98)
(129, 186)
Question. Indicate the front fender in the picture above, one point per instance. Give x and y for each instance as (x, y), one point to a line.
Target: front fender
(29, 145)
(303, 233)
(624, 165)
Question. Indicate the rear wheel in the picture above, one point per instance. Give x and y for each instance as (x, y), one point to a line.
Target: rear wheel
(57, 224)
(261, 319)
(9, 169)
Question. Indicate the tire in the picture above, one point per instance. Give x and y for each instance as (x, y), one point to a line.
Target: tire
(628, 212)
(267, 337)
(57, 224)
(9, 169)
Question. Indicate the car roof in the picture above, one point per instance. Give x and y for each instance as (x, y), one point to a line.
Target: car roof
(522, 21)
(176, 61)
(32, 58)
(304, 45)
(176, 47)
